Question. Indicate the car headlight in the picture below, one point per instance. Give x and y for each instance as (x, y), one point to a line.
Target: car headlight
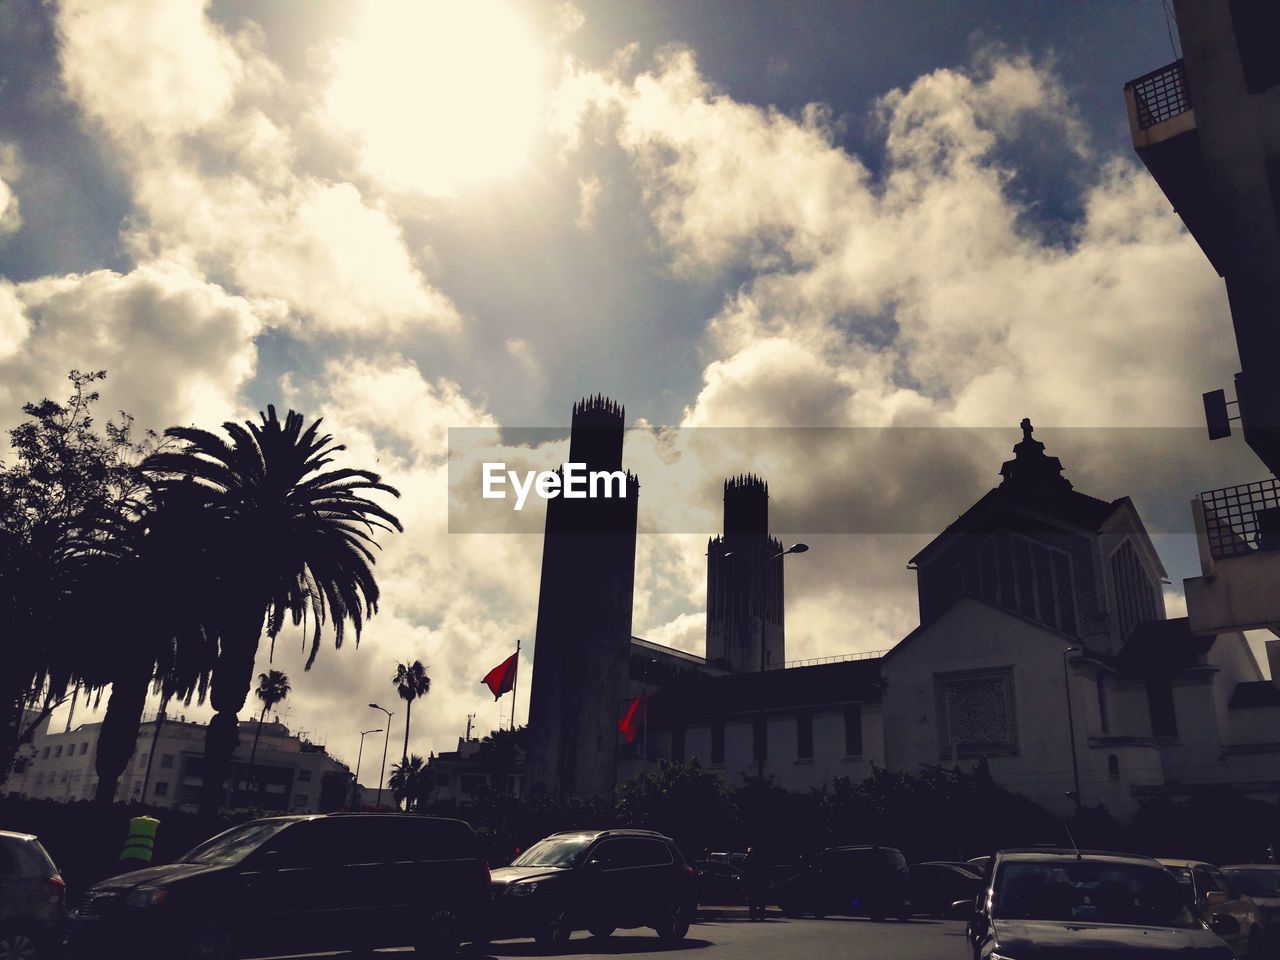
(522, 889)
(146, 897)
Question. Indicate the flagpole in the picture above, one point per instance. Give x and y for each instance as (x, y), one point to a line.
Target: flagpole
(514, 681)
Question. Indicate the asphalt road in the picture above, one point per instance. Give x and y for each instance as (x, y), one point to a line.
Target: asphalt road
(742, 939)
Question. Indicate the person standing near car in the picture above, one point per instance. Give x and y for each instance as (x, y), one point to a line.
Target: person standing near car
(755, 875)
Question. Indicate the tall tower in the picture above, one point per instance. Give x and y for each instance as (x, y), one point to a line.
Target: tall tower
(583, 641)
(744, 583)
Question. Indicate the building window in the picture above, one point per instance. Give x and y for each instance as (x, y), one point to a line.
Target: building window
(304, 776)
(162, 790)
(58, 752)
(976, 714)
(717, 741)
(301, 800)
(804, 735)
(1113, 766)
(1164, 721)
(1134, 591)
(166, 761)
(677, 743)
(759, 739)
(84, 748)
(45, 755)
(1103, 717)
(1020, 574)
(142, 759)
(853, 730)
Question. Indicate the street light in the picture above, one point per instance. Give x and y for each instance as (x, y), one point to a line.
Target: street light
(355, 781)
(378, 802)
(1071, 727)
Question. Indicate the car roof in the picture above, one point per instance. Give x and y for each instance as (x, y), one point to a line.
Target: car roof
(1251, 866)
(1175, 862)
(13, 835)
(863, 846)
(611, 832)
(1027, 855)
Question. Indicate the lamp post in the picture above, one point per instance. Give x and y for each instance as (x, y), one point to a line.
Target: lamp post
(355, 780)
(764, 663)
(1071, 726)
(381, 775)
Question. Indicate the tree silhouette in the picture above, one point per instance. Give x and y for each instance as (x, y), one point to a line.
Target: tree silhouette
(411, 682)
(292, 541)
(410, 782)
(273, 687)
(68, 501)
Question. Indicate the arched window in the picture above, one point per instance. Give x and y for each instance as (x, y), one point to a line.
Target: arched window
(1113, 766)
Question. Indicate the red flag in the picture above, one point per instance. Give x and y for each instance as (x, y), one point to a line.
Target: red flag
(502, 677)
(630, 724)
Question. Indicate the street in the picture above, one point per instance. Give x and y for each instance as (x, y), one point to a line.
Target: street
(742, 939)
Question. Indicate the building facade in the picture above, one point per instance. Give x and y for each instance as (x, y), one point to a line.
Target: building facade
(1043, 651)
(290, 774)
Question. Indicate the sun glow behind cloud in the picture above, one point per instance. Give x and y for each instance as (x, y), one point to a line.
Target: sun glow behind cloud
(440, 94)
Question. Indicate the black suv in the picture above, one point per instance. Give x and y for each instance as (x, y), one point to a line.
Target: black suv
(296, 884)
(867, 880)
(1071, 903)
(597, 880)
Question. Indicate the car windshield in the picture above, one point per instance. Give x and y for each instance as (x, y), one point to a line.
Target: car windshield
(236, 844)
(1256, 883)
(1090, 891)
(552, 852)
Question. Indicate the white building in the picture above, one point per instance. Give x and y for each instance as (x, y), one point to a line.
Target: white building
(165, 768)
(1036, 594)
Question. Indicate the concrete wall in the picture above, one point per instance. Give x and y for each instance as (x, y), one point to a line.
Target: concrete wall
(972, 636)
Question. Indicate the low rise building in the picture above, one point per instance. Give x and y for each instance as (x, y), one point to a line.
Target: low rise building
(290, 774)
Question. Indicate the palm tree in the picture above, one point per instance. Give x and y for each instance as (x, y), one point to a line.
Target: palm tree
(273, 687)
(411, 682)
(292, 540)
(410, 782)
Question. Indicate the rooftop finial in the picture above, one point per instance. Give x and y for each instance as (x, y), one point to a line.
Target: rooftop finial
(1026, 428)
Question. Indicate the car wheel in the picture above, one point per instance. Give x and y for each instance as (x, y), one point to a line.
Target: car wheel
(209, 939)
(675, 925)
(438, 936)
(556, 931)
(19, 945)
(601, 930)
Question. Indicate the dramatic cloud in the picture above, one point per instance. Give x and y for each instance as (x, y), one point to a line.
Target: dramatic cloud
(926, 293)
(177, 348)
(210, 131)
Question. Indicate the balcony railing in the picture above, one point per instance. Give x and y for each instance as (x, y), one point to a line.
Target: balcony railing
(1160, 95)
(1243, 518)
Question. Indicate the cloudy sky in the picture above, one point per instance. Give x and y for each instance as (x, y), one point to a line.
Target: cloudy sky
(408, 217)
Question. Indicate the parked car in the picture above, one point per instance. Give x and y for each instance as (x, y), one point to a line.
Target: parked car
(1088, 904)
(935, 886)
(1214, 894)
(1260, 882)
(718, 882)
(864, 880)
(596, 880)
(33, 912)
(297, 884)
(979, 864)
